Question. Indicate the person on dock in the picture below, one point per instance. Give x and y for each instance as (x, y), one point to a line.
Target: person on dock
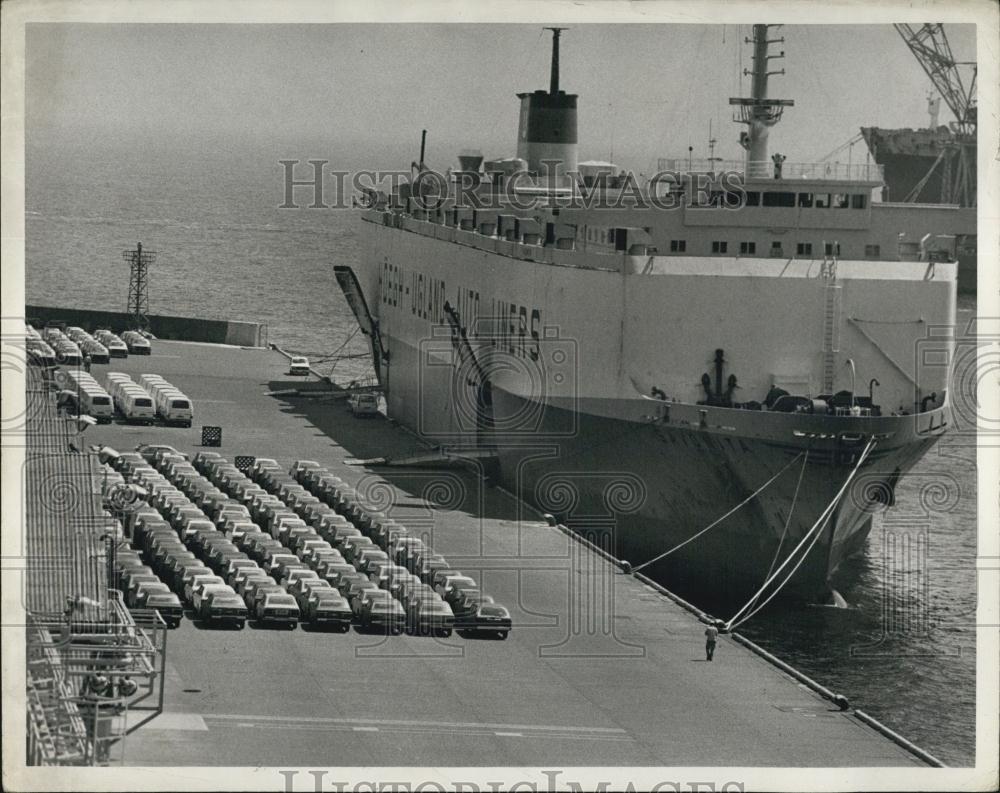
(711, 636)
(87, 361)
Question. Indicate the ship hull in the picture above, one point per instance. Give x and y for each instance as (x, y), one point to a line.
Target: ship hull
(643, 488)
(638, 479)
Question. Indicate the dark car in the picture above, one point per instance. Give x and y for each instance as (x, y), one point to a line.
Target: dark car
(385, 615)
(488, 618)
(277, 608)
(430, 615)
(327, 608)
(166, 603)
(225, 607)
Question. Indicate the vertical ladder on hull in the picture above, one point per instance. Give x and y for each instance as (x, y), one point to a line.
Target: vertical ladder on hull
(831, 323)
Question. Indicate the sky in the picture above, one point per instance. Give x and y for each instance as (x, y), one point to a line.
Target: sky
(646, 91)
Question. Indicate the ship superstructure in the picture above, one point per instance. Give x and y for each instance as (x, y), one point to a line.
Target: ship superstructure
(759, 341)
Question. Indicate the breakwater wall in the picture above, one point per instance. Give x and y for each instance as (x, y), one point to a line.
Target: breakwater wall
(217, 331)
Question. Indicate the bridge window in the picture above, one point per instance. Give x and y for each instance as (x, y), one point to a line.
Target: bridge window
(804, 249)
(859, 201)
(753, 198)
(873, 251)
(748, 248)
(805, 199)
(832, 249)
(719, 246)
(776, 248)
(841, 201)
(822, 200)
(678, 246)
(779, 199)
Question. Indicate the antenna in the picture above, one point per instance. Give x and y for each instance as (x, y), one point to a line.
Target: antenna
(554, 75)
(711, 146)
(138, 284)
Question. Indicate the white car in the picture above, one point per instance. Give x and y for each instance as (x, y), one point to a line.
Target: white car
(137, 343)
(299, 366)
(363, 404)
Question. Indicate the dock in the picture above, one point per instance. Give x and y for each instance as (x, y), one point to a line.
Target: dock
(600, 669)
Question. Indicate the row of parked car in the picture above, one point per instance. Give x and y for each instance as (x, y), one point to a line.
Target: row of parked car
(173, 406)
(53, 346)
(268, 538)
(434, 596)
(184, 544)
(151, 398)
(63, 349)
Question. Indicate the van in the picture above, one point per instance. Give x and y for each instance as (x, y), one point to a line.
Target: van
(174, 408)
(137, 407)
(147, 380)
(97, 403)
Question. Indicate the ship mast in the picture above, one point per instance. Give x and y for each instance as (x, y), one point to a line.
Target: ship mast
(757, 111)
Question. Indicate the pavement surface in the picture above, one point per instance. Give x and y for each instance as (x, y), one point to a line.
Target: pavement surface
(598, 670)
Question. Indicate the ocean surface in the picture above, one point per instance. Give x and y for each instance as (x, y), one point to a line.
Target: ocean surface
(904, 647)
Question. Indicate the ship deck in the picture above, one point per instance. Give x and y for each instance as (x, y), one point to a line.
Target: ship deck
(599, 670)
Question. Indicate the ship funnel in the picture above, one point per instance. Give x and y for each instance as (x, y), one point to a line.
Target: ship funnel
(470, 159)
(547, 130)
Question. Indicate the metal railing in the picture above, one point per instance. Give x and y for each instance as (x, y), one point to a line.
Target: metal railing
(827, 171)
(69, 723)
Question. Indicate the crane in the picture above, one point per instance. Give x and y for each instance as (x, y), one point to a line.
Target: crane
(929, 44)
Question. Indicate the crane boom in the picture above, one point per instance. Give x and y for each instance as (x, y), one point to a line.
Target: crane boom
(930, 46)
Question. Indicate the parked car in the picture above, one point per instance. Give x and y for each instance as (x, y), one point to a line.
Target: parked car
(430, 615)
(299, 366)
(327, 608)
(489, 618)
(225, 607)
(203, 592)
(137, 343)
(385, 615)
(165, 602)
(363, 404)
(277, 608)
(257, 589)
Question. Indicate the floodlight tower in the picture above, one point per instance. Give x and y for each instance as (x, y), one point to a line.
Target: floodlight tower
(138, 284)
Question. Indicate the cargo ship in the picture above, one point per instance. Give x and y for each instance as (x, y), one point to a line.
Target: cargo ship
(726, 369)
(932, 165)
(936, 163)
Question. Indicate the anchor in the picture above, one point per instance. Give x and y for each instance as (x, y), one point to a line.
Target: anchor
(719, 397)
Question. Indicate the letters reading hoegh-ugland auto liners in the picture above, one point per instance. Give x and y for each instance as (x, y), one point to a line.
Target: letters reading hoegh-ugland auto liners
(664, 367)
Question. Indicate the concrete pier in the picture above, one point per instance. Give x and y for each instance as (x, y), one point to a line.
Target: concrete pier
(600, 668)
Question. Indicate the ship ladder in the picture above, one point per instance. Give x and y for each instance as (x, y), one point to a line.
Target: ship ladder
(811, 536)
(831, 324)
(717, 521)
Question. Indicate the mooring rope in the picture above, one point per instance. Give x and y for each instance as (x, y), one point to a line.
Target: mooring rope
(814, 533)
(718, 520)
(788, 520)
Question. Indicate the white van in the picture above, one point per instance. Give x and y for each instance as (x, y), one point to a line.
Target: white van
(96, 402)
(136, 406)
(113, 379)
(148, 380)
(174, 407)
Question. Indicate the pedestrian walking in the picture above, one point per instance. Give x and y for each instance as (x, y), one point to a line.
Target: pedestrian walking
(711, 635)
(86, 363)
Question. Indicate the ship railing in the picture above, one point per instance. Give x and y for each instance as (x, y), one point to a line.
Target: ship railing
(765, 169)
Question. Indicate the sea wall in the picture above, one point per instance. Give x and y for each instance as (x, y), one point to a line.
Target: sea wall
(218, 331)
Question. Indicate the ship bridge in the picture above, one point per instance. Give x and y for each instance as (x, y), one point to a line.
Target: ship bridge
(869, 174)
